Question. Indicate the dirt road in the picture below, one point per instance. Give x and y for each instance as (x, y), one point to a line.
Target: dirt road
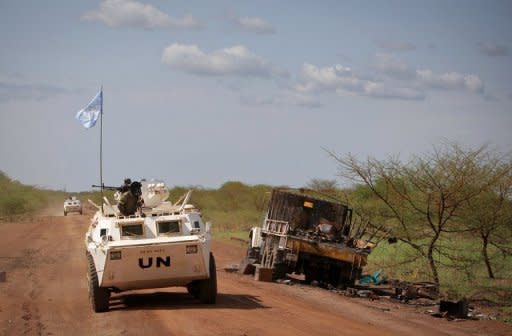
(44, 292)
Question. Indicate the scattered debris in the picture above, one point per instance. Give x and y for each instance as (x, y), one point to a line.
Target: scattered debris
(285, 282)
(372, 279)
(241, 240)
(457, 309)
(263, 274)
(247, 266)
(231, 268)
(406, 291)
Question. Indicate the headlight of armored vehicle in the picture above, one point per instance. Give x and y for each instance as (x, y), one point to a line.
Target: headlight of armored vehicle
(115, 255)
(191, 249)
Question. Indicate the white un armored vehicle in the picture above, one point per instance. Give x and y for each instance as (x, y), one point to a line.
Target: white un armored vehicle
(72, 204)
(162, 245)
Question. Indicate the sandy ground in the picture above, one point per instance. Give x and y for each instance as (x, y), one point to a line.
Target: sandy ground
(45, 293)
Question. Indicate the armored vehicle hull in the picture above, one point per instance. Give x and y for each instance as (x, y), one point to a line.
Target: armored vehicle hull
(72, 205)
(168, 245)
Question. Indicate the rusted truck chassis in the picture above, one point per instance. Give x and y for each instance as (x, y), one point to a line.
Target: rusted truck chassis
(305, 234)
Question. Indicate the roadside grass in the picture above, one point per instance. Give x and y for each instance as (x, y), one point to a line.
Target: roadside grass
(466, 277)
(17, 200)
(233, 208)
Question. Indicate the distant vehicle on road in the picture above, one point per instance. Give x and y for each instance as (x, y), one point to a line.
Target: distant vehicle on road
(72, 204)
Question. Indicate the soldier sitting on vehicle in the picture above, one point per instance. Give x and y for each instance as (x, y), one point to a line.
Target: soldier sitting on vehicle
(130, 200)
(126, 186)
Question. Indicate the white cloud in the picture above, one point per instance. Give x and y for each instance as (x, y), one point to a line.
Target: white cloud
(392, 67)
(283, 98)
(254, 24)
(450, 80)
(118, 13)
(396, 46)
(234, 61)
(396, 69)
(328, 78)
(492, 49)
(379, 90)
(341, 80)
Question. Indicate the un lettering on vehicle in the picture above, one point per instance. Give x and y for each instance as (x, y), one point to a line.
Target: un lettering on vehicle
(158, 262)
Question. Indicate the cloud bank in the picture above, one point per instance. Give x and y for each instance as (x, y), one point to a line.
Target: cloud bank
(129, 13)
(492, 49)
(341, 80)
(233, 61)
(450, 81)
(254, 25)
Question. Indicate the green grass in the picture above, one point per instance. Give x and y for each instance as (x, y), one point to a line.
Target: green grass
(17, 200)
(467, 278)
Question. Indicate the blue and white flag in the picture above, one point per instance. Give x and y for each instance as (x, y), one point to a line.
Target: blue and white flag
(89, 114)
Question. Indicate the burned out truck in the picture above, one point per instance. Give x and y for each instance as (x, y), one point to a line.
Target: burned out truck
(310, 235)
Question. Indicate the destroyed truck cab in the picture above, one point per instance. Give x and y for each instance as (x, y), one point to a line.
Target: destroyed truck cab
(306, 234)
(162, 245)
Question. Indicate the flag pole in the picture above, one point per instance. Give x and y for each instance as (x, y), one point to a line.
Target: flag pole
(101, 147)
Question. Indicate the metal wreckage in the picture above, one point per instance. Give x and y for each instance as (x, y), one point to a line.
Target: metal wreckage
(308, 234)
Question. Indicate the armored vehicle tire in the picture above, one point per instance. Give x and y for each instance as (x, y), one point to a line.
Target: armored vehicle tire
(208, 287)
(98, 296)
(193, 289)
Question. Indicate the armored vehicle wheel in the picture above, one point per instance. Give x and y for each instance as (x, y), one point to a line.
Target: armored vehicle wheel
(97, 295)
(193, 289)
(208, 287)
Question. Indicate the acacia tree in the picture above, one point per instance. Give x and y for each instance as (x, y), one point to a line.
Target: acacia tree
(490, 216)
(425, 196)
(322, 185)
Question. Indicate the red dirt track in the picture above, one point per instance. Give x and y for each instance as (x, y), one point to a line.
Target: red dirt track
(45, 293)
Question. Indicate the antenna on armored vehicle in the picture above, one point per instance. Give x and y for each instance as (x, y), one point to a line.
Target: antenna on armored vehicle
(185, 200)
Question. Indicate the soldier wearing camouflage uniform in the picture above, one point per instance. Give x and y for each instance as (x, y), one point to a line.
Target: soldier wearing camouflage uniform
(130, 200)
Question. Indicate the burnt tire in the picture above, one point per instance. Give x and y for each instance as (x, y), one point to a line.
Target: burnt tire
(98, 296)
(208, 287)
(279, 271)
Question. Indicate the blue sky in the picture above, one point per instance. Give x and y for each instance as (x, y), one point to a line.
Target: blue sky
(204, 92)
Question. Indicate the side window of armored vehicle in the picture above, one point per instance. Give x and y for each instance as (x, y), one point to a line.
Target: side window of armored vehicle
(196, 225)
(132, 230)
(103, 232)
(168, 228)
